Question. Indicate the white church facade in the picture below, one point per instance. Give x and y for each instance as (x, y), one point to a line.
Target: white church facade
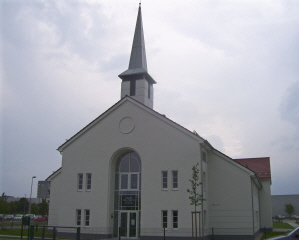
(126, 174)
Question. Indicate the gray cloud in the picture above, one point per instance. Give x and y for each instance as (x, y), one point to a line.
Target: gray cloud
(289, 108)
(227, 70)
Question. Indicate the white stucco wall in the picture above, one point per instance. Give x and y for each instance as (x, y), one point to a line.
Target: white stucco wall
(161, 147)
(230, 200)
(54, 207)
(266, 204)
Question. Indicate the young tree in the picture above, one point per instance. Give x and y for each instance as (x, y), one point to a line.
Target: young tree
(195, 197)
(289, 209)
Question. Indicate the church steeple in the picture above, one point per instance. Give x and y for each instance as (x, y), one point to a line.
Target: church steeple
(136, 82)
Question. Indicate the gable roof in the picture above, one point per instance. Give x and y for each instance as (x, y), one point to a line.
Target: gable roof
(261, 166)
(54, 174)
(132, 100)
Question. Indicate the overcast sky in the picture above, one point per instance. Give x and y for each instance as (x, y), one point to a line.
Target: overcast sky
(227, 69)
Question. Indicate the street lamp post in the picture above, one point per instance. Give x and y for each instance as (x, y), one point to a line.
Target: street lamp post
(31, 194)
(25, 200)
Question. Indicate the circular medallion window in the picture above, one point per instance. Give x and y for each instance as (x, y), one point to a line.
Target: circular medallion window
(126, 125)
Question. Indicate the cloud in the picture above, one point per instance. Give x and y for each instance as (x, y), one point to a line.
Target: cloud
(289, 108)
(289, 112)
(225, 69)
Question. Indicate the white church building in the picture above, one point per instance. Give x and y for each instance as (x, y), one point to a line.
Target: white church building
(126, 174)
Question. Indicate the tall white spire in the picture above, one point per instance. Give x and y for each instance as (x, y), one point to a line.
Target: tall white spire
(136, 82)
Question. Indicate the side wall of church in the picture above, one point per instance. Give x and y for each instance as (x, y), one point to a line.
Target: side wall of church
(230, 202)
(266, 206)
(54, 208)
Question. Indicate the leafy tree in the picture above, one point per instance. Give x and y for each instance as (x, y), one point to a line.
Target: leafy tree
(23, 206)
(40, 208)
(195, 197)
(289, 209)
(12, 206)
(34, 209)
(3, 205)
(43, 207)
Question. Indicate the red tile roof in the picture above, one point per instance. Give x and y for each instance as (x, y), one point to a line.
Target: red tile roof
(261, 166)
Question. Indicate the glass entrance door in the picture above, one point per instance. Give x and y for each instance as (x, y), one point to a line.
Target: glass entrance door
(128, 223)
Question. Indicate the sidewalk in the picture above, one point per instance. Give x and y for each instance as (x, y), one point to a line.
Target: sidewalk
(291, 222)
(9, 237)
(258, 236)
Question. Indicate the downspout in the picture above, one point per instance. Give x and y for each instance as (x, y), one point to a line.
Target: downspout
(252, 205)
(202, 211)
(260, 222)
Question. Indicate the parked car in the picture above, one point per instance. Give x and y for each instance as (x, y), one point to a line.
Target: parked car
(32, 216)
(18, 217)
(8, 217)
(280, 217)
(40, 219)
(1, 217)
(288, 236)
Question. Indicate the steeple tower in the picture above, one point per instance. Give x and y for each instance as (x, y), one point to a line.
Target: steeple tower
(136, 82)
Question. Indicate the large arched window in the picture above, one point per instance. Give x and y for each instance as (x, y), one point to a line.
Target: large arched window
(129, 171)
(127, 195)
(127, 182)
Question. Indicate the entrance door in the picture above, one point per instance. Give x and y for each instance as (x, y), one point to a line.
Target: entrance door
(128, 223)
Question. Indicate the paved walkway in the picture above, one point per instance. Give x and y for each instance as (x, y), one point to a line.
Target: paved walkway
(258, 236)
(291, 222)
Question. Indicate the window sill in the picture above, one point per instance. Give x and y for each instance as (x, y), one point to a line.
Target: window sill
(164, 189)
(175, 189)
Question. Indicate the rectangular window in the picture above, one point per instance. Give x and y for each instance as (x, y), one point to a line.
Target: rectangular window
(88, 181)
(124, 181)
(87, 217)
(164, 219)
(80, 181)
(175, 219)
(175, 179)
(164, 180)
(132, 87)
(78, 217)
(134, 181)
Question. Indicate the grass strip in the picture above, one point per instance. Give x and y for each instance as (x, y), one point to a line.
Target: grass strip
(282, 226)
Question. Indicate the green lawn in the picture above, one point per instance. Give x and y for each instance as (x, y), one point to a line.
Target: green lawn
(272, 234)
(277, 226)
(282, 226)
(17, 232)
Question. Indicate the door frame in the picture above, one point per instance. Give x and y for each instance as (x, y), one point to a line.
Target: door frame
(128, 223)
